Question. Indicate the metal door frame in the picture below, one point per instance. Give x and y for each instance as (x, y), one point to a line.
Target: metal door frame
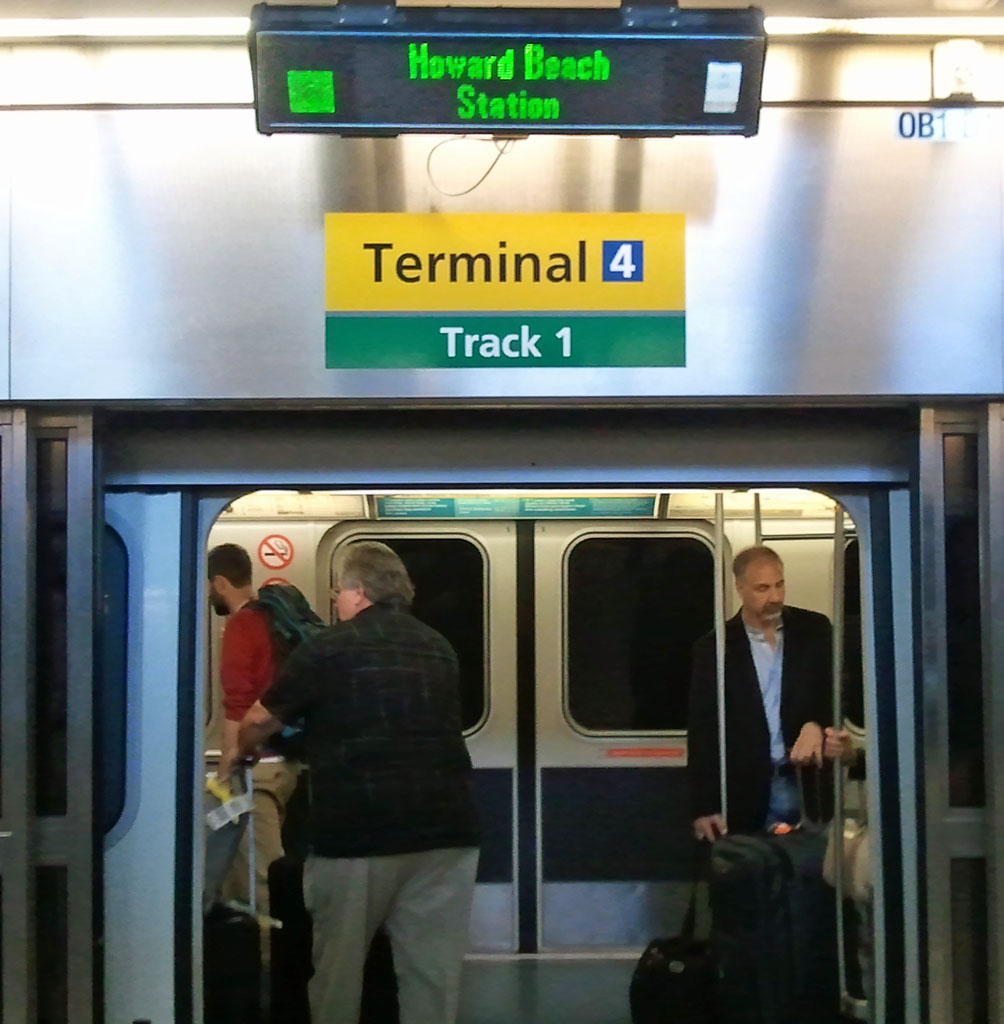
(28, 841)
(960, 833)
(555, 451)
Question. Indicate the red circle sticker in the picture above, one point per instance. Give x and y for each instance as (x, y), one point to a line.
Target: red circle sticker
(275, 551)
(276, 579)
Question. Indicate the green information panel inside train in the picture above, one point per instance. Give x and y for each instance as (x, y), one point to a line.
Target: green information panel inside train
(489, 506)
(389, 80)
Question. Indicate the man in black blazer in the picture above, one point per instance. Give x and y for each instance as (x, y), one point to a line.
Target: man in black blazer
(778, 701)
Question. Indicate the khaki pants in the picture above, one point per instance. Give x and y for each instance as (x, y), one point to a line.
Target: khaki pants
(424, 901)
(273, 783)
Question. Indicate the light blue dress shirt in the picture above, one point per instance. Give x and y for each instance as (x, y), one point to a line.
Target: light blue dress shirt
(769, 664)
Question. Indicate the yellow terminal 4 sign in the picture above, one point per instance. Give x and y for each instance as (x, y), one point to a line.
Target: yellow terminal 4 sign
(504, 290)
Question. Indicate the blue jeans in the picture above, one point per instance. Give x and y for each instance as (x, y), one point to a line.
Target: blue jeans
(783, 805)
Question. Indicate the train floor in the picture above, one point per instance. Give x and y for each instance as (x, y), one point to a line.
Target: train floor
(545, 991)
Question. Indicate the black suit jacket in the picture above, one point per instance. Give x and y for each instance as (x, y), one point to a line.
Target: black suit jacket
(806, 696)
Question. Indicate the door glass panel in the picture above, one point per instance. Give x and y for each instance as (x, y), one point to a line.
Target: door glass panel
(635, 607)
(852, 682)
(449, 578)
(51, 936)
(110, 678)
(962, 622)
(50, 627)
(970, 967)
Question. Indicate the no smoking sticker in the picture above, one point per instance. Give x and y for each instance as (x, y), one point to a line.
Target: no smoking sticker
(275, 551)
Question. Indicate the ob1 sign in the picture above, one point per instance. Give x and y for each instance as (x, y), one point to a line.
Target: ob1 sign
(947, 124)
(501, 291)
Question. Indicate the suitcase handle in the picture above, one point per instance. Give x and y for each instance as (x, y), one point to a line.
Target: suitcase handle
(252, 894)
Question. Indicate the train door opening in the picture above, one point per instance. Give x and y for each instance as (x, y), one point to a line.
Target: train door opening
(544, 721)
(574, 626)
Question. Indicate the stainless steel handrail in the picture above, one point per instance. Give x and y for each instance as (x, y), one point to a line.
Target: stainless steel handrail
(850, 1005)
(720, 644)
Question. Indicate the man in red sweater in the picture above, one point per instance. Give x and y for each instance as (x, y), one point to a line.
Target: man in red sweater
(247, 667)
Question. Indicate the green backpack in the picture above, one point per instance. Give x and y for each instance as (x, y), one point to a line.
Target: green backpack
(291, 621)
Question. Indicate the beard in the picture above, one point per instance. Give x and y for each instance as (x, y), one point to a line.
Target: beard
(772, 612)
(219, 605)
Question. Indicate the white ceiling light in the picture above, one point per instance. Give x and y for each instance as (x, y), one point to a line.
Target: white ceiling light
(12, 29)
(957, 68)
(918, 28)
(40, 29)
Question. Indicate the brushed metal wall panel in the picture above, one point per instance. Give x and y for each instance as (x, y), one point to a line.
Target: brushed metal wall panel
(176, 254)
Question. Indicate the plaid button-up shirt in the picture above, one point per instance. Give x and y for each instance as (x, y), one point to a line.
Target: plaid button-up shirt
(389, 769)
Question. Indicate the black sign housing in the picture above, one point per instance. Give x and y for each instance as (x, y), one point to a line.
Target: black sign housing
(356, 69)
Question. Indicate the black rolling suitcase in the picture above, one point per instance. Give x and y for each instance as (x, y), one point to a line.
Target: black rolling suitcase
(773, 932)
(674, 982)
(231, 935)
(231, 960)
(291, 944)
(379, 984)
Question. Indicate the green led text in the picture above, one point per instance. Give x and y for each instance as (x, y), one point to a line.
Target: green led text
(530, 63)
(512, 107)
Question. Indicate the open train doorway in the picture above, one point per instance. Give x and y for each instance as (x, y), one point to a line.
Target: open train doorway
(573, 614)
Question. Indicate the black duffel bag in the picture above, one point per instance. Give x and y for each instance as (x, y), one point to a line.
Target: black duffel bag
(674, 982)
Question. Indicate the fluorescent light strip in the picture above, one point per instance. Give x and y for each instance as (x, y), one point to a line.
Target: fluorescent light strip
(43, 29)
(925, 28)
(39, 29)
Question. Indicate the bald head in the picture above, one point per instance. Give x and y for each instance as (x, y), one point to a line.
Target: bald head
(757, 553)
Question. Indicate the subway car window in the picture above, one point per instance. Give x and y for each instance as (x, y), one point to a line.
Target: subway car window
(50, 627)
(970, 968)
(449, 578)
(52, 945)
(635, 606)
(962, 622)
(110, 677)
(853, 695)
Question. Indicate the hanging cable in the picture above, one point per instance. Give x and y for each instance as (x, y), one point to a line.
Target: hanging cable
(502, 146)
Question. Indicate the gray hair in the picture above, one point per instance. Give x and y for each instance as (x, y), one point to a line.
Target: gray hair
(758, 553)
(375, 569)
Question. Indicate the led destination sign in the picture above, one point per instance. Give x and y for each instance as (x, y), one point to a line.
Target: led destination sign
(358, 70)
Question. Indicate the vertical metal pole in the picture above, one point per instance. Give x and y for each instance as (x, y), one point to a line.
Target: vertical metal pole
(935, 737)
(252, 880)
(757, 521)
(80, 818)
(17, 715)
(837, 825)
(720, 644)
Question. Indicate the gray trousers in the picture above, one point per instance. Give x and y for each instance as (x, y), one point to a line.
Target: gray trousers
(423, 900)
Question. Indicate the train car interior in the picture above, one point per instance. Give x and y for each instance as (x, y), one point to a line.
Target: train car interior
(584, 808)
(573, 612)
(573, 608)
